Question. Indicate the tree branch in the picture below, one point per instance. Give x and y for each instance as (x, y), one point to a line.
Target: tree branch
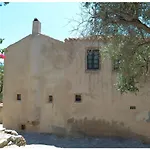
(136, 23)
(143, 43)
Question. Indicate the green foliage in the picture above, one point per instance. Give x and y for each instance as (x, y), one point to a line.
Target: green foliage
(4, 3)
(133, 61)
(1, 73)
(127, 26)
(1, 80)
(2, 51)
(1, 40)
(1, 76)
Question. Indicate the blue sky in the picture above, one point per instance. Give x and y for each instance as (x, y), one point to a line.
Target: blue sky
(16, 19)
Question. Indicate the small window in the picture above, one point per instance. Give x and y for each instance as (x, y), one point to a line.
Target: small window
(93, 60)
(23, 127)
(116, 64)
(50, 98)
(19, 97)
(77, 98)
(132, 107)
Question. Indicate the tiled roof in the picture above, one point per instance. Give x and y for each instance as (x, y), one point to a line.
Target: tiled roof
(97, 38)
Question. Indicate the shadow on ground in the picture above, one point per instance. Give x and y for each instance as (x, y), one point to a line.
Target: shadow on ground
(87, 142)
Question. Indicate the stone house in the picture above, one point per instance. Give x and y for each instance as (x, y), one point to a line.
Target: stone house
(65, 88)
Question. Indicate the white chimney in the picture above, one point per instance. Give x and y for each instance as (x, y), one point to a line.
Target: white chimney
(36, 28)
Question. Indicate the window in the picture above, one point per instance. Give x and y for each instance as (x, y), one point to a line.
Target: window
(116, 64)
(77, 98)
(23, 127)
(19, 97)
(50, 98)
(132, 107)
(93, 59)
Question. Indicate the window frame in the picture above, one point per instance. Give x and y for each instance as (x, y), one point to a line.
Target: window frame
(87, 69)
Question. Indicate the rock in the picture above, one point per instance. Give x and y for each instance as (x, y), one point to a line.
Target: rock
(2, 129)
(3, 143)
(10, 143)
(18, 140)
(12, 132)
(11, 137)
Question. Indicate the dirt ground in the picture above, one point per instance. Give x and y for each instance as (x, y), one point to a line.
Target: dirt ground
(39, 141)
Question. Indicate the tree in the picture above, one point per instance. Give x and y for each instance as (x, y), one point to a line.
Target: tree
(126, 26)
(1, 80)
(4, 3)
(1, 4)
(1, 64)
(1, 72)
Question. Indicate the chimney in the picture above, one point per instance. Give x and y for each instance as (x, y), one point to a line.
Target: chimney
(36, 28)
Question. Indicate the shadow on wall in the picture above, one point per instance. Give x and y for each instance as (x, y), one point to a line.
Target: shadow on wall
(103, 128)
(99, 127)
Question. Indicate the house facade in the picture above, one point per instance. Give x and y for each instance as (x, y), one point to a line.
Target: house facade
(67, 88)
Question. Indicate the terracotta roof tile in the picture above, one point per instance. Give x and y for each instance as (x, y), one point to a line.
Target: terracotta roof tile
(99, 38)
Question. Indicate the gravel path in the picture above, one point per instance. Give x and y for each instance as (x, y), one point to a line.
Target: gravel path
(52, 140)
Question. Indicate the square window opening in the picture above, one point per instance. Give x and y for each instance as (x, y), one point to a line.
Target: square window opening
(78, 98)
(19, 97)
(50, 98)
